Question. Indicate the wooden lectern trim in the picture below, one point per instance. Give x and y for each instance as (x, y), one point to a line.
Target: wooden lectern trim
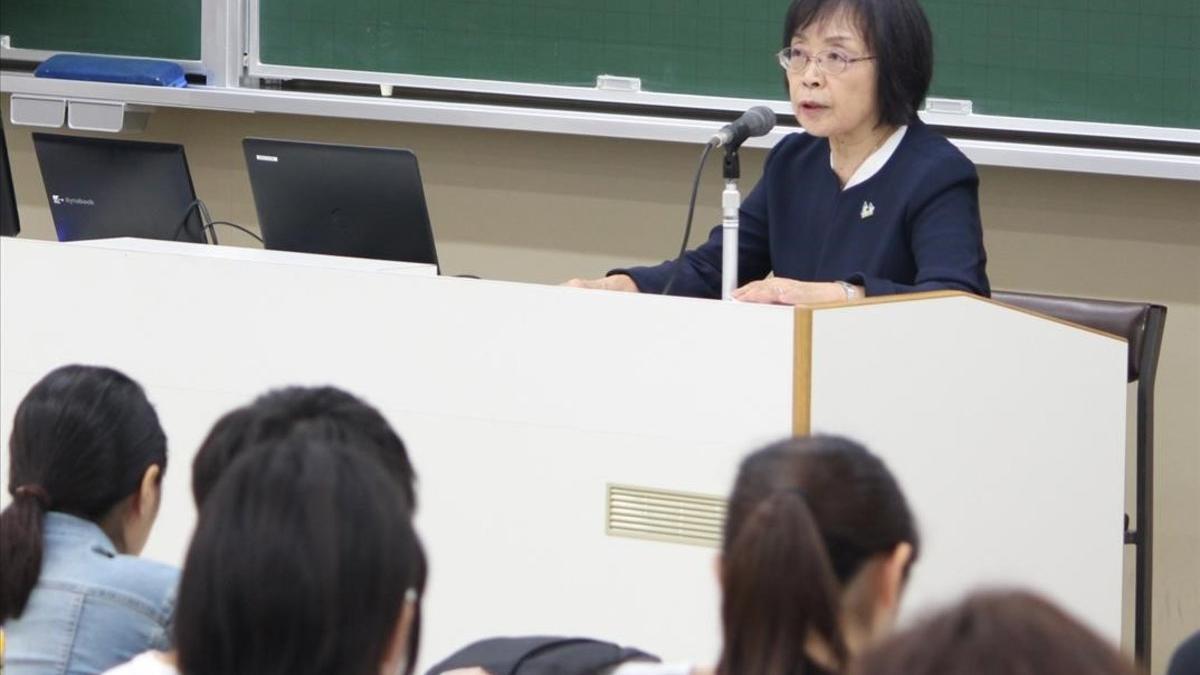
(933, 295)
(889, 299)
(1055, 319)
(802, 373)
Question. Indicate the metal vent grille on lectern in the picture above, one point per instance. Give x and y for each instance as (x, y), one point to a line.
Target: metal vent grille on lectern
(664, 515)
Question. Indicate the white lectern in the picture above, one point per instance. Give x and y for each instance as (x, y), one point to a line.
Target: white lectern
(540, 418)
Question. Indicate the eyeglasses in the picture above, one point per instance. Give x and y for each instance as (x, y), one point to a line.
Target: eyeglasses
(830, 62)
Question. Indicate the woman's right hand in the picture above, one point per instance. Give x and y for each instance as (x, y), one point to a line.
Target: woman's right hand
(616, 282)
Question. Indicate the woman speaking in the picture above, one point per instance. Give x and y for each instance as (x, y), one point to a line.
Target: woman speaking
(869, 201)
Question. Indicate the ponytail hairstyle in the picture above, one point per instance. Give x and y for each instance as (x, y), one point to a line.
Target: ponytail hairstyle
(82, 439)
(804, 516)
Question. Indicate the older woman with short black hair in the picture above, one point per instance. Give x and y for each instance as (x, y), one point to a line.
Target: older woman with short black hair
(870, 201)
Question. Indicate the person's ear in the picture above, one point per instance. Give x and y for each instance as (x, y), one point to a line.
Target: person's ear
(395, 657)
(719, 570)
(145, 501)
(892, 575)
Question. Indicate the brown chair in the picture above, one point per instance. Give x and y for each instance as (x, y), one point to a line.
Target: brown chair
(1141, 324)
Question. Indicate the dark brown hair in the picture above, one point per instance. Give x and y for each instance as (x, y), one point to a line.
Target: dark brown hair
(82, 439)
(327, 413)
(898, 35)
(804, 516)
(302, 560)
(995, 633)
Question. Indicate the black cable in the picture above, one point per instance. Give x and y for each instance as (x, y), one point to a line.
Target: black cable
(206, 217)
(212, 231)
(187, 213)
(235, 226)
(206, 223)
(687, 229)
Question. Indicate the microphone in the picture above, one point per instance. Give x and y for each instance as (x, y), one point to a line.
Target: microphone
(756, 121)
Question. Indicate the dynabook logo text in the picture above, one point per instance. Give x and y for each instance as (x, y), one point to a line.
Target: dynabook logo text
(72, 201)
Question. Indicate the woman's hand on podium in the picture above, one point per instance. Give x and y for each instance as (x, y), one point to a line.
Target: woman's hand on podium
(780, 291)
(616, 282)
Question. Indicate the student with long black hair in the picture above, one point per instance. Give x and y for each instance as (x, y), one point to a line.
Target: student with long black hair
(817, 546)
(86, 461)
(304, 562)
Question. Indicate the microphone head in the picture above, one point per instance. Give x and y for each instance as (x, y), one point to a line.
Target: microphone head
(756, 121)
(759, 120)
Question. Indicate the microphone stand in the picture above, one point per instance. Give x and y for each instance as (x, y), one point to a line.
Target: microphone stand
(731, 201)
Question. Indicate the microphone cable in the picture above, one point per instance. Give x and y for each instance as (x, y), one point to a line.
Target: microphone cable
(687, 228)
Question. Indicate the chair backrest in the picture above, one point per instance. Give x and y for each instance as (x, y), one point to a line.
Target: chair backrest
(1130, 320)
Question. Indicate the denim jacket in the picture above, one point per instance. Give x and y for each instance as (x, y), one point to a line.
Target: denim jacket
(92, 608)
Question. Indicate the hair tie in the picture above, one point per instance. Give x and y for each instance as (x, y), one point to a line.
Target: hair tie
(38, 493)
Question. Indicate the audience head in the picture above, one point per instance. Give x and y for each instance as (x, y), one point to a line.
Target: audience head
(304, 561)
(86, 442)
(319, 413)
(1186, 659)
(818, 542)
(995, 633)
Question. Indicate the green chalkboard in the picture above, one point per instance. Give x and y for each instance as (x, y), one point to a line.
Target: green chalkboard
(673, 45)
(166, 29)
(1121, 61)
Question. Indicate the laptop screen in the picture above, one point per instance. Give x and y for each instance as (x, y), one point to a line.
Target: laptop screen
(101, 187)
(340, 200)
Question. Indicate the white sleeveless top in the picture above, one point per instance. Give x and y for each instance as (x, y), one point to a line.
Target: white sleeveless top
(146, 663)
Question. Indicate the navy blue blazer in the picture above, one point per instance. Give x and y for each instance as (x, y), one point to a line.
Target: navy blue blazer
(913, 226)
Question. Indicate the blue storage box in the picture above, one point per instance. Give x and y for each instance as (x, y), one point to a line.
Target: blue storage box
(112, 69)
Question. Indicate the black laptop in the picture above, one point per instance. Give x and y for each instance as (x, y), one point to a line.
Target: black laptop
(340, 200)
(106, 187)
